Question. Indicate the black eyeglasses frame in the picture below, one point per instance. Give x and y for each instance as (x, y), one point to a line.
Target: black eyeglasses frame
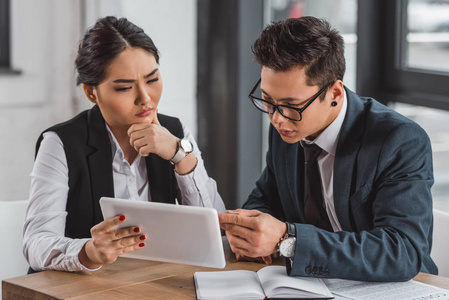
(276, 107)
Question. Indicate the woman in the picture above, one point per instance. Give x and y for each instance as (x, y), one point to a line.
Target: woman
(120, 148)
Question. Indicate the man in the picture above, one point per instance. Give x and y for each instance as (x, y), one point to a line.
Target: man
(346, 190)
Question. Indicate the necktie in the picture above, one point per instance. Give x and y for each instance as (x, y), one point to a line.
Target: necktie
(315, 212)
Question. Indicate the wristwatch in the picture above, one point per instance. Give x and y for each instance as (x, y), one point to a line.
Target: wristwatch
(183, 149)
(287, 247)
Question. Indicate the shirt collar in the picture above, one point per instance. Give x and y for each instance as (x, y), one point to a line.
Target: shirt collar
(328, 139)
(118, 158)
(115, 147)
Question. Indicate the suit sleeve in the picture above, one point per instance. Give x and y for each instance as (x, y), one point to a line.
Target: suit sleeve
(265, 196)
(397, 245)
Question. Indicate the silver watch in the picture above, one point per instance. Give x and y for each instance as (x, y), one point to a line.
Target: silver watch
(184, 148)
(287, 247)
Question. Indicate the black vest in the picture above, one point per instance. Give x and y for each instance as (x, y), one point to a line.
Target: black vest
(89, 160)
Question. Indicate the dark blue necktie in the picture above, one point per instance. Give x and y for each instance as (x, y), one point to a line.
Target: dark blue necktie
(315, 212)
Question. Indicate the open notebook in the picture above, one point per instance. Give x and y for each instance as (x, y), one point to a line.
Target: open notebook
(269, 282)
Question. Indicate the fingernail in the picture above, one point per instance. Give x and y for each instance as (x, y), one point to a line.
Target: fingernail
(122, 218)
(141, 245)
(137, 229)
(142, 237)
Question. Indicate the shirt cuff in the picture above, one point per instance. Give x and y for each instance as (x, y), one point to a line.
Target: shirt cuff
(73, 251)
(189, 183)
(196, 187)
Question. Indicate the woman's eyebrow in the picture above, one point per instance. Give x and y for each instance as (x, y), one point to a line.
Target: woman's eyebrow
(133, 80)
(151, 73)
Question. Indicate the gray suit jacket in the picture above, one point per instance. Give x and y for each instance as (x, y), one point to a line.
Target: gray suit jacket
(382, 178)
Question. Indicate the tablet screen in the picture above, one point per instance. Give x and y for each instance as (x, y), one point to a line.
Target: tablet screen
(175, 233)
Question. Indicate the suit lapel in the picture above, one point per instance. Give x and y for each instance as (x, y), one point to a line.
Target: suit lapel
(100, 165)
(346, 158)
(160, 176)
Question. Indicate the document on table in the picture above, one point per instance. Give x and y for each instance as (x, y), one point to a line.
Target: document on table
(409, 290)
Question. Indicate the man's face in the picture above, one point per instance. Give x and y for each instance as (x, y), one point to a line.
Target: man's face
(290, 88)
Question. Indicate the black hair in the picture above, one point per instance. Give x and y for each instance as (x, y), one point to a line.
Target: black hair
(103, 43)
(306, 42)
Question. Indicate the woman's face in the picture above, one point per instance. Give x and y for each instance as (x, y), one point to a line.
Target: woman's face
(131, 90)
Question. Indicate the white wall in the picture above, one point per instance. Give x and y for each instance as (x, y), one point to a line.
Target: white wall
(45, 35)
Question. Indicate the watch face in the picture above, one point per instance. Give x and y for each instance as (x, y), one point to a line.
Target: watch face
(186, 145)
(287, 247)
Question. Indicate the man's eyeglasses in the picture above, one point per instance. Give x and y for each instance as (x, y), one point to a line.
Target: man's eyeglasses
(289, 112)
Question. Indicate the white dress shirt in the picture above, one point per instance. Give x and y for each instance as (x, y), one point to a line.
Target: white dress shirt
(328, 141)
(45, 246)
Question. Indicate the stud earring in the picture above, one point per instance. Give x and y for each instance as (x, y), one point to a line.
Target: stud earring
(334, 103)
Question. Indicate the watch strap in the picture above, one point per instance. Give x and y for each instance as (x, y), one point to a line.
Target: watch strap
(179, 154)
(291, 229)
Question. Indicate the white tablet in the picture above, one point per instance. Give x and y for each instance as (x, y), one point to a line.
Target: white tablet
(175, 233)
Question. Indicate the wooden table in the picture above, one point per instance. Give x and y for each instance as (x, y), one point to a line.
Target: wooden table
(132, 279)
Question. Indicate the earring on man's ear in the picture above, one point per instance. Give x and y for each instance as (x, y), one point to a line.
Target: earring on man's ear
(334, 103)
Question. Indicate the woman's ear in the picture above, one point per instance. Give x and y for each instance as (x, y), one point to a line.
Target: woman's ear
(90, 93)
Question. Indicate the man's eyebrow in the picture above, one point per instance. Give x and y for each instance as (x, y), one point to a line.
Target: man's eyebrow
(133, 80)
(283, 99)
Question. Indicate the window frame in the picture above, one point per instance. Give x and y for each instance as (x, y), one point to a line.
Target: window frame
(381, 74)
(5, 63)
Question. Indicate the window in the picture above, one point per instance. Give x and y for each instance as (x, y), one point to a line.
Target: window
(4, 35)
(416, 53)
(426, 44)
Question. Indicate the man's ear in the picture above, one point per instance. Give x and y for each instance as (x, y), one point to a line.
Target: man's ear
(337, 91)
(90, 92)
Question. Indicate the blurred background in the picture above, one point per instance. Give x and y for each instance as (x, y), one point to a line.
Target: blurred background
(397, 51)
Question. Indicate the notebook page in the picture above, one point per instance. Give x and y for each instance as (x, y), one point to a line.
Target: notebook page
(228, 285)
(275, 281)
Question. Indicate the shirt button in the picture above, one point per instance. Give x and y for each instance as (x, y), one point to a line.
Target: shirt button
(309, 270)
